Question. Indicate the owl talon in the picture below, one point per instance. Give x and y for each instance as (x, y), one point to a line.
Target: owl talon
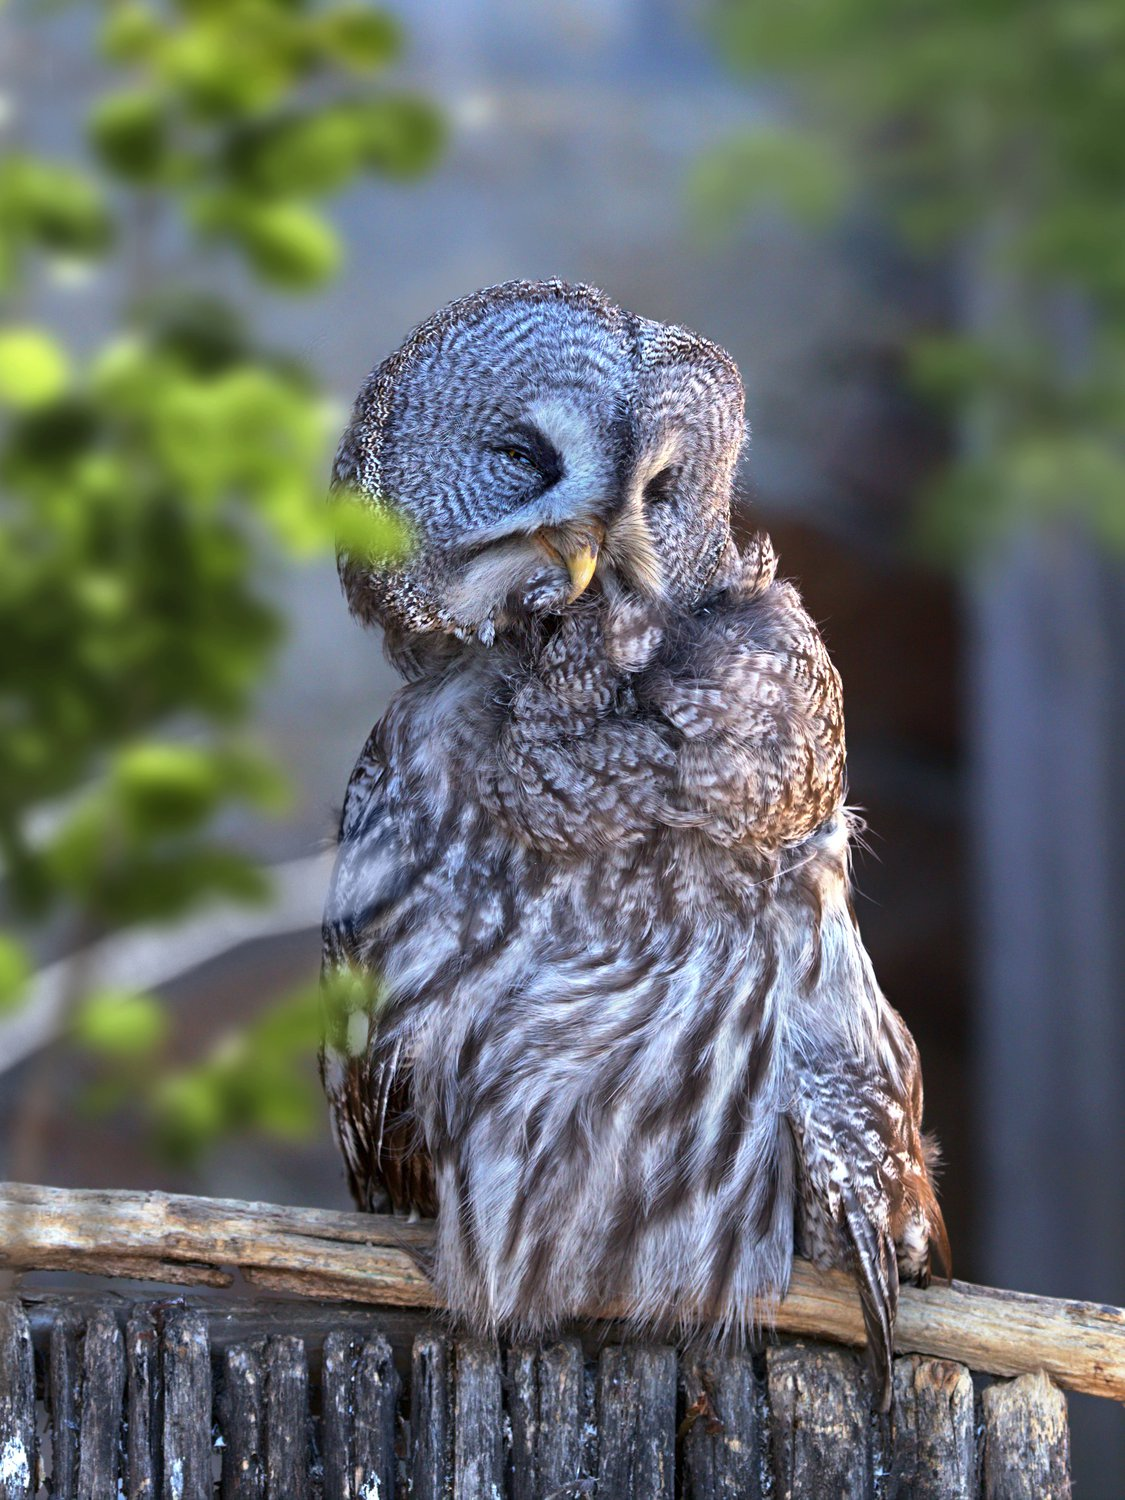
(548, 591)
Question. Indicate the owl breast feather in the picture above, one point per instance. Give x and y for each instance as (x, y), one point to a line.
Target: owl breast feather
(591, 949)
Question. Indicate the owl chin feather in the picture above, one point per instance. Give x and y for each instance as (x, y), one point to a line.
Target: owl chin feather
(502, 579)
(497, 587)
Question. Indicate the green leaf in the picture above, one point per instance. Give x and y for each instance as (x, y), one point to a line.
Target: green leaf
(799, 173)
(313, 153)
(349, 996)
(121, 1024)
(14, 973)
(290, 1111)
(257, 1078)
(235, 61)
(288, 244)
(53, 206)
(359, 37)
(372, 534)
(400, 135)
(202, 334)
(188, 1114)
(130, 133)
(130, 32)
(157, 885)
(33, 368)
(167, 788)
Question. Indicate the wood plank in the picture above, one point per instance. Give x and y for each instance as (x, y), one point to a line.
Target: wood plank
(367, 1258)
(820, 1429)
(478, 1412)
(431, 1419)
(522, 1369)
(338, 1415)
(933, 1437)
(238, 1320)
(724, 1441)
(377, 1393)
(180, 1227)
(286, 1409)
(1044, 660)
(359, 1396)
(64, 1395)
(545, 1405)
(241, 1424)
(636, 1422)
(382, 1277)
(1026, 1441)
(143, 1407)
(149, 1269)
(186, 1379)
(820, 1414)
(103, 1406)
(17, 1404)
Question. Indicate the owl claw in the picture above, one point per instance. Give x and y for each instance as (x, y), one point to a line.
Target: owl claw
(577, 552)
(877, 1270)
(547, 592)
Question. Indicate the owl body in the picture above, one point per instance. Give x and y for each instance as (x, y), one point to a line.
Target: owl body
(621, 1034)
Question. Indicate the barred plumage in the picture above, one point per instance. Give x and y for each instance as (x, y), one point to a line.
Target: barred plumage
(621, 1032)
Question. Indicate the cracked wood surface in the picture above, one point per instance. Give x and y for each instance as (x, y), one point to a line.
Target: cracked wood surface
(371, 1258)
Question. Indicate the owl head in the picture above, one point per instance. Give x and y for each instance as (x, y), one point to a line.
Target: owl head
(538, 443)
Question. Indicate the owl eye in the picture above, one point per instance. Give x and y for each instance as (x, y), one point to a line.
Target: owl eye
(518, 455)
(660, 487)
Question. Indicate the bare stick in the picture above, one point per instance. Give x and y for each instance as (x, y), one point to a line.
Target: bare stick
(368, 1258)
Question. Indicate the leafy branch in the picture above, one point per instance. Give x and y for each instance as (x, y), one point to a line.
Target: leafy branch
(145, 488)
(996, 132)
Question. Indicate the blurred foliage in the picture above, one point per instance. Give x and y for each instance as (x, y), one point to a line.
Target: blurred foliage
(256, 1078)
(145, 489)
(253, 1078)
(997, 129)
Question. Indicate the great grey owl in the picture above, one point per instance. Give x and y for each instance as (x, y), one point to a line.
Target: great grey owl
(619, 1031)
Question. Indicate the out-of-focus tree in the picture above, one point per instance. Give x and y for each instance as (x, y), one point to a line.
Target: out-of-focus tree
(997, 129)
(992, 134)
(144, 487)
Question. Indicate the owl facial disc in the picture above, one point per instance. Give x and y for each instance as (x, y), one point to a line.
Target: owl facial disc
(532, 436)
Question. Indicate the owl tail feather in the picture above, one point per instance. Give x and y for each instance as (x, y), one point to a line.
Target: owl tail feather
(939, 1250)
(876, 1266)
(940, 1253)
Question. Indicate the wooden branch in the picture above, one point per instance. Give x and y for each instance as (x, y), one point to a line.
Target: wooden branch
(367, 1258)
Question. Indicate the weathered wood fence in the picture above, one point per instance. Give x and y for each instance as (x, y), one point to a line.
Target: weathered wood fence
(314, 1396)
(160, 1402)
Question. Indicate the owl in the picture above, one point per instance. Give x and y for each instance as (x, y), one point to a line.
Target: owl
(598, 1000)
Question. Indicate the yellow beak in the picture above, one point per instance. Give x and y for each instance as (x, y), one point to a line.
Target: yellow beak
(578, 555)
(580, 565)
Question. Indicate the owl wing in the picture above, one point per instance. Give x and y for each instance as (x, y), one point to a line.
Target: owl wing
(757, 704)
(368, 1078)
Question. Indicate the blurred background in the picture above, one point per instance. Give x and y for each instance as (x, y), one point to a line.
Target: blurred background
(905, 222)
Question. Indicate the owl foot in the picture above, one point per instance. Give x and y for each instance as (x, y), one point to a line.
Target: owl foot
(876, 1266)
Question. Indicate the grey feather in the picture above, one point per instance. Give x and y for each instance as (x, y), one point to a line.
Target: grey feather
(595, 854)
